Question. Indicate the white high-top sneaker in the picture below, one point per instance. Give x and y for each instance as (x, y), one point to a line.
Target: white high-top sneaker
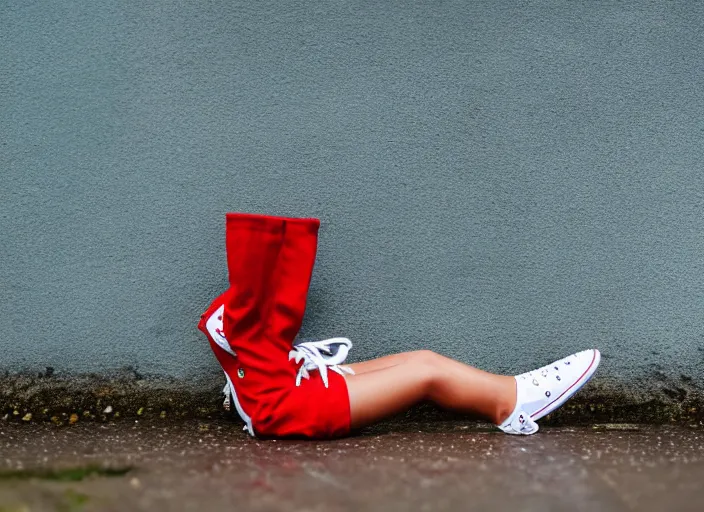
(541, 391)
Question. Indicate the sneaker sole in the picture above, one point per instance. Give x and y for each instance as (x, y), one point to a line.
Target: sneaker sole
(570, 391)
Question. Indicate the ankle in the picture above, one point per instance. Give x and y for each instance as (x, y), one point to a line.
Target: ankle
(506, 401)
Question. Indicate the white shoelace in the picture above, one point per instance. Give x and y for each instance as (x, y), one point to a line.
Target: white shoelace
(319, 355)
(226, 404)
(520, 423)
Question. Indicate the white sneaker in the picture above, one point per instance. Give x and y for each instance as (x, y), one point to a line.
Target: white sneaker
(541, 391)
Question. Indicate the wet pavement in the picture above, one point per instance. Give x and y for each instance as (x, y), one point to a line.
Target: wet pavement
(205, 466)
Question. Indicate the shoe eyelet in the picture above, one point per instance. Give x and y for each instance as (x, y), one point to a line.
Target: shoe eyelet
(567, 363)
(558, 377)
(547, 394)
(535, 382)
(240, 373)
(544, 373)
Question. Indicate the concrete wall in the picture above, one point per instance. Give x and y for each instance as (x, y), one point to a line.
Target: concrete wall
(501, 184)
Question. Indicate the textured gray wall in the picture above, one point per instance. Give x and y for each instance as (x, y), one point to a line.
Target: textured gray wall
(501, 184)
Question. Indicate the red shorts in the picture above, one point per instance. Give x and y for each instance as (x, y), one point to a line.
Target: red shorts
(251, 328)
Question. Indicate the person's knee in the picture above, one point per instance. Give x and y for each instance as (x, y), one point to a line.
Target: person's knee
(425, 365)
(425, 358)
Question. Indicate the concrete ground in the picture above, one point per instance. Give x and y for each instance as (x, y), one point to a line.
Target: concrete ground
(205, 466)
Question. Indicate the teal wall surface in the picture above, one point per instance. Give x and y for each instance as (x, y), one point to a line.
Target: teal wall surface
(502, 182)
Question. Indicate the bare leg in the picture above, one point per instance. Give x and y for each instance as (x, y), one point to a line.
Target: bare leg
(424, 375)
(379, 363)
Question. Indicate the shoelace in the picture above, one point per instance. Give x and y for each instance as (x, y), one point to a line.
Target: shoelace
(229, 393)
(321, 355)
(227, 403)
(521, 424)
